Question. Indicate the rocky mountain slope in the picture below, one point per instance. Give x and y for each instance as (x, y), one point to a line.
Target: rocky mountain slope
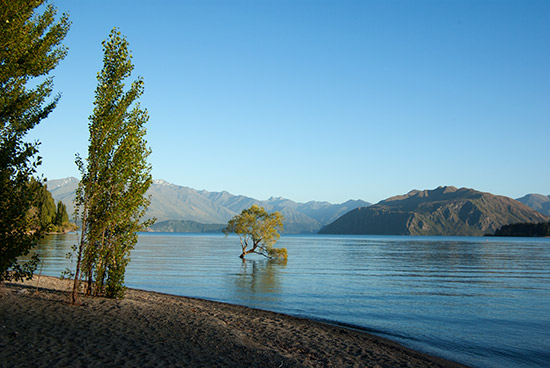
(537, 202)
(181, 205)
(442, 211)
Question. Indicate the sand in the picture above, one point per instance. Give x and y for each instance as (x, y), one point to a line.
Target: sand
(38, 328)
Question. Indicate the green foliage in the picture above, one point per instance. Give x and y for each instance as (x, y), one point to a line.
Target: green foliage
(277, 252)
(47, 208)
(44, 215)
(115, 176)
(30, 48)
(258, 231)
(525, 229)
(61, 215)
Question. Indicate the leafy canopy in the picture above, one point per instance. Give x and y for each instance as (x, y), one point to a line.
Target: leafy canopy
(258, 231)
(30, 48)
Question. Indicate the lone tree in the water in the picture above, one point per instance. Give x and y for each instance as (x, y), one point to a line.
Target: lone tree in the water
(258, 231)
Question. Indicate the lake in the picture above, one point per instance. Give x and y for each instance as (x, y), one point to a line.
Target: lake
(483, 302)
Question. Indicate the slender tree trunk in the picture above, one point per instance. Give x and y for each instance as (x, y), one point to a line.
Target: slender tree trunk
(103, 264)
(76, 284)
(89, 286)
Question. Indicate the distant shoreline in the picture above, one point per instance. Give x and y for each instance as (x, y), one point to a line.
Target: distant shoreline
(149, 328)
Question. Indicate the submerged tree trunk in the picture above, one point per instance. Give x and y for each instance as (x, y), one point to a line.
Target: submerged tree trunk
(253, 250)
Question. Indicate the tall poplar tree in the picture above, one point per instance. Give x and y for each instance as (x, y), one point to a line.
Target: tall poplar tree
(30, 48)
(115, 176)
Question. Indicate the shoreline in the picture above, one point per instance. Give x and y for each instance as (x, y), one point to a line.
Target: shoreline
(40, 328)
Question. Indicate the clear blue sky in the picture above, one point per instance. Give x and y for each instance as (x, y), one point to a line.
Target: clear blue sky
(322, 100)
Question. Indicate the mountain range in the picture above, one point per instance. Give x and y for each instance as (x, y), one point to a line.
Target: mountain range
(179, 208)
(441, 211)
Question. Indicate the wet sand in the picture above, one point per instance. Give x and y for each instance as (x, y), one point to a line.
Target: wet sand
(38, 328)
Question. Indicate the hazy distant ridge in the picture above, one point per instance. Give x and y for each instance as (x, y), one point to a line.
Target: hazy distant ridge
(170, 202)
(442, 211)
(537, 202)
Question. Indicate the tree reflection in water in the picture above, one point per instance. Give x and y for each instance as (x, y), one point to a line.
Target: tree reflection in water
(260, 276)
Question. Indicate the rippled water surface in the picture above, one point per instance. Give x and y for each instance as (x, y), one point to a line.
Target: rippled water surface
(484, 302)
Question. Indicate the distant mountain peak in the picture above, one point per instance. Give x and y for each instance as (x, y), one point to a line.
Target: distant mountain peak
(538, 202)
(56, 183)
(439, 193)
(161, 182)
(439, 190)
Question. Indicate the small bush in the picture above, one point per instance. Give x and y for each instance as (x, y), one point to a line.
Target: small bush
(277, 253)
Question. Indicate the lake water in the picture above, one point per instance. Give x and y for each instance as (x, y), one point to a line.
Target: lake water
(483, 302)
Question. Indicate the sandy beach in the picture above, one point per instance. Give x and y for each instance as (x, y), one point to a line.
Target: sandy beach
(38, 328)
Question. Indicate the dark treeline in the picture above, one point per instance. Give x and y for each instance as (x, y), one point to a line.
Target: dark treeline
(526, 229)
(44, 215)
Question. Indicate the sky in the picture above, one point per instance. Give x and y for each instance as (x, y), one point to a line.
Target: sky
(321, 100)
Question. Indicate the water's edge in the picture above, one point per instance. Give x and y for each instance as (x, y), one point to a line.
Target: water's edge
(482, 302)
